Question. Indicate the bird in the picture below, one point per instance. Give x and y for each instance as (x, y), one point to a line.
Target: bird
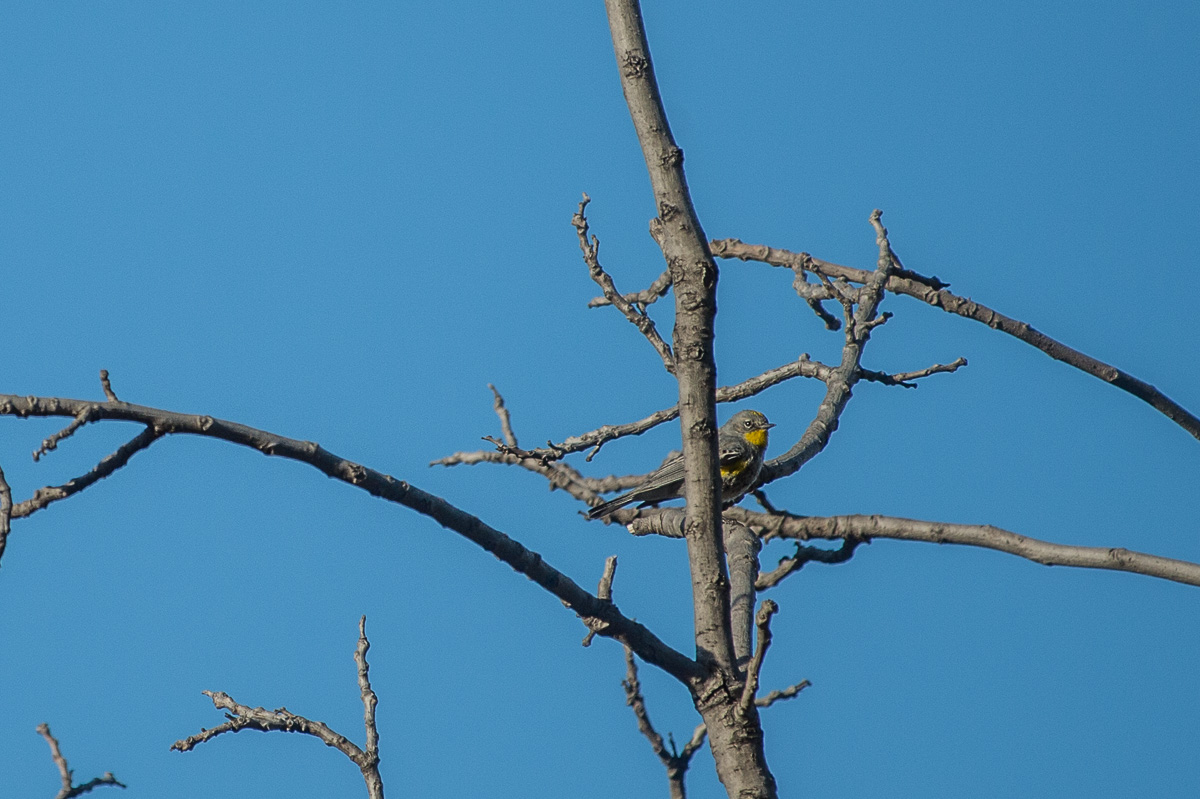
(741, 442)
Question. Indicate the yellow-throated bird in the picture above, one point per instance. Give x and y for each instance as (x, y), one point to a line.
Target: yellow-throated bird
(741, 443)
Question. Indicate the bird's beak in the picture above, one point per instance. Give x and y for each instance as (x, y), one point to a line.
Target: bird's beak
(767, 426)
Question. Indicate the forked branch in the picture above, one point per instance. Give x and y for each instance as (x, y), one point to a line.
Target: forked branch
(932, 291)
(69, 789)
(241, 717)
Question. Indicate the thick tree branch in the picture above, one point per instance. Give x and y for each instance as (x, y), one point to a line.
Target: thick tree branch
(932, 291)
(161, 422)
(736, 742)
(694, 277)
(70, 790)
(867, 527)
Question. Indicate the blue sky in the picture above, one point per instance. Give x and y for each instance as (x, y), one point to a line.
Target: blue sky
(340, 222)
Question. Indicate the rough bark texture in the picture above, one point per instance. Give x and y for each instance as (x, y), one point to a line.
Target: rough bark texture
(735, 738)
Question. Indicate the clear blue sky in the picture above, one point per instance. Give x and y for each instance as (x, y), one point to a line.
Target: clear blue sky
(339, 222)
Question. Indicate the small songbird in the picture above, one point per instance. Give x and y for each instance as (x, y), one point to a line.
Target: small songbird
(741, 443)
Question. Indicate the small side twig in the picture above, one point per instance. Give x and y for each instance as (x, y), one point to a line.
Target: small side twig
(647, 296)
(905, 378)
(763, 622)
(510, 437)
(242, 717)
(604, 592)
(676, 761)
(70, 790)
(6, 506)
(790, 692)
(107, 386)
(44, 497)
(639, 318)
(807, 554)
(50, 444)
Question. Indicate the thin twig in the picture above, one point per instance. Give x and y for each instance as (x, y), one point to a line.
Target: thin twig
(107, 386)
(591, 256)
(905, 378)
(510, 438)
(777, 696)
(242, 717)
(370, 761)
(676, 762)
(762, 621)
(604, 593)
(69, 790)
(51, 443)
(807, 554)
(43, 497)
(647, 296)
(932, 291)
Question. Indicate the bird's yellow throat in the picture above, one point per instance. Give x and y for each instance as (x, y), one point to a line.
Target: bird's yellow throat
(757, 438)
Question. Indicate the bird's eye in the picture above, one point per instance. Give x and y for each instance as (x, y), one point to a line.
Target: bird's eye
(749, 423)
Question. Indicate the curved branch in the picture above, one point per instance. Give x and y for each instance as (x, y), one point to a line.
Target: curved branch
(840, 384)
(160, 422)
(1049, 554)
(932, 291)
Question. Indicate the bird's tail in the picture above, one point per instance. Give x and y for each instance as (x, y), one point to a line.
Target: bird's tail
(616, 503)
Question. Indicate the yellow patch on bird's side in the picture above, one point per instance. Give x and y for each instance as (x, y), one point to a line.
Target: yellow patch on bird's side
(756, 438)
(730, 469)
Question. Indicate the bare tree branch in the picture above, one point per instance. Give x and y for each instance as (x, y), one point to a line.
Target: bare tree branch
(51, 443)
(6, 507)
(986, 536)
(603, 593)
(763, 622)
(639, 318)
(932, 291)
(676, 762)
(70, 790)
(806, 554)
(160, 422)
(859, 324)
(736, 743)
(510, 437)
(790, 692)
(594, 439)
(904, 379)
(241, 717)
(107, 386)
(370, 761)
(43, 497)
(741, 554)
(646, 296)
